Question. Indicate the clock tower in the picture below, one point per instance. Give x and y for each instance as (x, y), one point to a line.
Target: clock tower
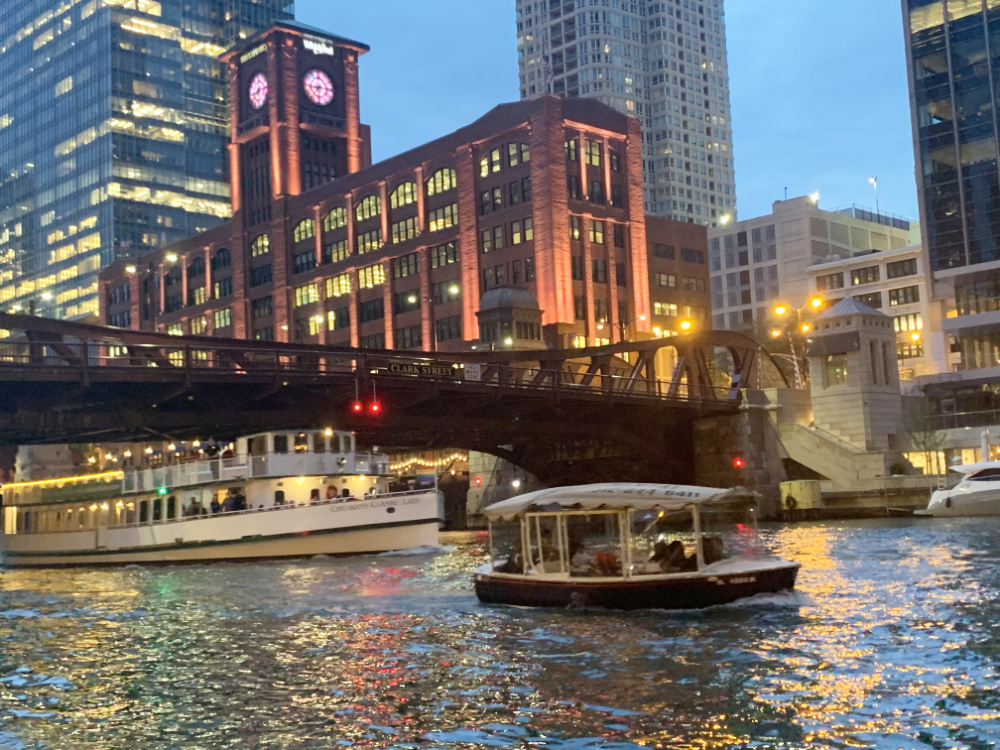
(295, 117)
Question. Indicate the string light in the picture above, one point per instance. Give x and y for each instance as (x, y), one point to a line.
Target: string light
(106, 477)
(410, 463)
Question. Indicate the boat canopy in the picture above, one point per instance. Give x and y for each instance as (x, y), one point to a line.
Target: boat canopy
(970, 468)
(615, 496)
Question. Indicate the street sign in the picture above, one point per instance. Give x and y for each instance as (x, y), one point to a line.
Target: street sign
(422, 370)
(474, 372)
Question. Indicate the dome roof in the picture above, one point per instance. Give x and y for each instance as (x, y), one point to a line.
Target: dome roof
(506, 297)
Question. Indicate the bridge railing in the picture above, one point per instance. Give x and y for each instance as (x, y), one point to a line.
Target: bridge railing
(193, 361)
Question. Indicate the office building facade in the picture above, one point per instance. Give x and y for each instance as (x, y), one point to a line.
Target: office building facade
(664, 63)
(758, 263)
(114, 128)
(544, 196)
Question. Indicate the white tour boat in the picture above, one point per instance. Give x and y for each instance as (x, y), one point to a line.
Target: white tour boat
(977, 494)
(281, 494)
(628, 546)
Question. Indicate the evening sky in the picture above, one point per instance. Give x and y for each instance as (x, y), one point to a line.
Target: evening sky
(819, 92)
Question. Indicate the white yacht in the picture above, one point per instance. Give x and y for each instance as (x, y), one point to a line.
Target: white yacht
(977, 494)
(279, 494)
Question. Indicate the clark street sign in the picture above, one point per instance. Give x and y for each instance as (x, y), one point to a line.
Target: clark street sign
(421, 370)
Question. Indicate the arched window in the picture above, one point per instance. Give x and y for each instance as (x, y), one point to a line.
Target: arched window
(222, 259)
(441, 181)
(404, 195)
(197, 268)
(368, 208)
(305, 230)
(336, 219)
(260, 246)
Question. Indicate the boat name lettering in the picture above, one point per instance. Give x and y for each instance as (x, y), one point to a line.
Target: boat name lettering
(395, 503)
(424, 371)
(743, 579)
(349, 506)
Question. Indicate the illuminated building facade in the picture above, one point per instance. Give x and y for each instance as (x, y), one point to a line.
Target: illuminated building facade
(542, 195)
(113, 136)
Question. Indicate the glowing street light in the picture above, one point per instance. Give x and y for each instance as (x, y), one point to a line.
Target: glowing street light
(130, 269)
(453, 290)
(171, 257)
(806, 328)
(816, 303)
(781, 310)
(775, 333)
(686, 326)
(508, 341)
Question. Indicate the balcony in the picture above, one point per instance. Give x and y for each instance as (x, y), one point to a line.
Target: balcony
(242, 468)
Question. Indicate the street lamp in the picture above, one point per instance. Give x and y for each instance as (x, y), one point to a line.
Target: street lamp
(780, 311)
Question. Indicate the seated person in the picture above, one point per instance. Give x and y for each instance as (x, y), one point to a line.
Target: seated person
(514, 563)
(607, 564)
(712, 549)
(671, 558)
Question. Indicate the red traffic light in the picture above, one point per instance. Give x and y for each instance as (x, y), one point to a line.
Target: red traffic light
(375, 407)
(738, 462)
(358, 407)
(479, 480)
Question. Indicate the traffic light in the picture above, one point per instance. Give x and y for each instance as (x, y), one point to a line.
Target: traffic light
(358, 407)
(375, 407)
(739, 463)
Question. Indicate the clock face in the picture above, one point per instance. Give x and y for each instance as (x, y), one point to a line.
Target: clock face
(258, 91)
(318, 87)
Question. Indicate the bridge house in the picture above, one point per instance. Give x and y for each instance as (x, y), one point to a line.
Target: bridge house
(324, 247)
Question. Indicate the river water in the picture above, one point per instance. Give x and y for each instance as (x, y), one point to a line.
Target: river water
(891, 641)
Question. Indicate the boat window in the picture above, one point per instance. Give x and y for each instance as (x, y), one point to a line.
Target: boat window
(27, 522)
(547, 547)
(171, 508)
(728, 531)
(301, 443)
(258, 445)
(593, 544)
(506, 548)
(143, 511)
(82, 518)
(281, 443)
(319, 442)
(986, 475)
(130, 513)
(158, 509)
(662, 542)
(279, 497)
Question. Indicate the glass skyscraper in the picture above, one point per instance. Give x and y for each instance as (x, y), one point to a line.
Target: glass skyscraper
(114, 125)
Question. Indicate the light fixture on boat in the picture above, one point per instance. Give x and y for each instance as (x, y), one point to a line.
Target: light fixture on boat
(516, 483)
(149, 451)
(171, 447)
(328, 432)
(127, 454)
(91, 460)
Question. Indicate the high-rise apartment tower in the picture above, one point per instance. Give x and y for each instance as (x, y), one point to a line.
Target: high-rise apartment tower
(114, 129)
(662, 62)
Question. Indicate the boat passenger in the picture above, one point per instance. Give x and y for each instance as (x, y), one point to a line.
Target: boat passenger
(515, 563)
(216, 508)
(712, 549)
(193, 509)
(314, 496)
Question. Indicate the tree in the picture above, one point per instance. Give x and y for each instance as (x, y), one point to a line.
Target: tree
(921, 426)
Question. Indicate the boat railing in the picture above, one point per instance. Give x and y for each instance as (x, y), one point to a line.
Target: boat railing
(181, 518)
(254, 467)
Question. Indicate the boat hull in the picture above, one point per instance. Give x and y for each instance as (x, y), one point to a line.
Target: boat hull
(377, 524)
(690, 592)
(963, 504)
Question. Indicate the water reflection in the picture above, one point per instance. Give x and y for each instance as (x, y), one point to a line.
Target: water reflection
(891, 642)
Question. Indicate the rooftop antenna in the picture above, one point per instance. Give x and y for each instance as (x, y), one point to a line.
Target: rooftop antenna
(786, 194)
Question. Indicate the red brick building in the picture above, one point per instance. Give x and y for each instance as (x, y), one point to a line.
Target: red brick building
(323, 247)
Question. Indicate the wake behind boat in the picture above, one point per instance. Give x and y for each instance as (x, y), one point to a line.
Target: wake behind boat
(283, 494)
(628, 546)
(976, 494)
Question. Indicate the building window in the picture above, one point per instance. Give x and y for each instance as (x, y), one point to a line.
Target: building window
(664, 251)
(907, 323)
(576, 265)
(529, 230)
(223, 318)
(336, 219)
(578, 342)
(512, 154)
(408, 265)
(697, 256)
(501, 274)
(264, 334)
(441, 182)
(668, 309)
(873, 300)
(579, 307)
(574, 227)
(484, 167)
(222, 288)
(867, 275)
(901, 268)
(488, 278)
(260, 276)
(571, 147)
(836, 369)
(442, 218)
(305, 230)
(336, 252)
(199, 325)
(830, 281)
(404, 302)
(369, 241)
(175, 329)
(443, 255)
(597, 232)
(338, 319)
(197, 268)
(613, 156)
(513, 193)
(601, 310)
(368, 208)
(196, 296)
(449, 329)
(693, 285)
(262, 308)
(260, 246)
(529, 269)
(338, 286)
(221, 259)
(485, 202)
(371, 276)
(403, 195)
(515, 233)
(487, 240)
(592, 153)
(573, 186)
(597, 192)
(303, 262)
(526, 190)
(404, 230)
(665, 279)
(306, 294)
(497, 238)
(408, 338)
(374, 341)
(905, 296)
(373, 309)
(495, 159)
(616, 196)
(621, 279)
(443, 292)
(599, 269)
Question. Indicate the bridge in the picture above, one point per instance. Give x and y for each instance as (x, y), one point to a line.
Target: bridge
(602, 411)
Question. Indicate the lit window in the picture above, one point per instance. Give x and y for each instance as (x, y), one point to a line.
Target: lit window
(368, 208)
(441, 181)
(371, 276)
(335, 219)
(442, 218)
(404, 195)
(260, 246)
(305, 230)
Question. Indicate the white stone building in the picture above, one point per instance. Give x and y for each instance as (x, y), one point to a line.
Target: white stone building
(760, 262)
(662, 62)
